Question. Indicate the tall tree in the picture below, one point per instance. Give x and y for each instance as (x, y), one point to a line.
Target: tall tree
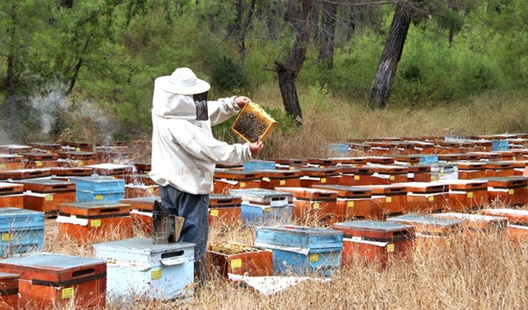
(327, 35)
(382, 84)
(300, 19)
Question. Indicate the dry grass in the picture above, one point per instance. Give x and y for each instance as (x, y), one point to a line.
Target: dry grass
(477, 271)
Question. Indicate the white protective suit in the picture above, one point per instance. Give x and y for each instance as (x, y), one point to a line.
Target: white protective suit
(184, 151)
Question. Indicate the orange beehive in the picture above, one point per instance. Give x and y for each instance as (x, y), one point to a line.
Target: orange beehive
(311, 176)
(94, 221)
(77, 158)
(379, 252)
(11, 195)
(352, 176)
(352, 202)
(65, 172)
(478, 222)
(141, 212)
(141, 190)
(240, 259)
(468, 170)
(387, 200)
(508, 191)
(11, 162)
(514, 216)
(8, 291)
(289, 163)
(274, 178)
(53, 281)
(425, 197)
(111, 169)
(466, 195)
(312, 204)
(224, 210)
(40, 160)
(388, 174)
(226, 179)
(22, 174)
(46, 195)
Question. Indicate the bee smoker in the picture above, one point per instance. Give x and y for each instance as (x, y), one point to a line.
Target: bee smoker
(164, 225)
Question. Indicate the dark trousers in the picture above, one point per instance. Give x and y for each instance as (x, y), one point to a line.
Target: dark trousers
(194, 208)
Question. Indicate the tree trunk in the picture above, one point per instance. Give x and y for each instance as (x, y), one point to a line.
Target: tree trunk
(288, 70)
(381, 86)
(13, 111)
(351, 24)
(243, 27)
(327, 38)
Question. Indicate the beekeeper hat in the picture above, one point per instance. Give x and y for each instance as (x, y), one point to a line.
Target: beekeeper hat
(183, 81)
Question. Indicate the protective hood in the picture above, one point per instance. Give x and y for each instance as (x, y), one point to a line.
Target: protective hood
(170, 105)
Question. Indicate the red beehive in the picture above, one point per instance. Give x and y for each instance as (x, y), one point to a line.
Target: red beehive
(352, 202)
(226, 179)
(352, 176)
(40, 160)
(8, 291)
(270, 179)
(388, 174)
(387, 200)
(466, 194)
(312, 204)
(224, 210)
(141, 212)
(425, 197)
(509, 191)
(45, 195)
(51, 281)
(10, 162)
(478, 222)
(77, 158)
(471, 170)
(311, 176)
(240, 259)
(94, 221)
(11, 195)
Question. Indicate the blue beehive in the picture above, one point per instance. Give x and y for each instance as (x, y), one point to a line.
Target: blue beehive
(138, 266)
(258, 165)
(303, 250)
(99, 188)
(264, 206)
(22, 231)
(499, 145)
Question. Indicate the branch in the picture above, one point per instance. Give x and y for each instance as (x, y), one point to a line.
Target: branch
(364, 3)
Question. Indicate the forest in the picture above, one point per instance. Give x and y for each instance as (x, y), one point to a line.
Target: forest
(84, 70)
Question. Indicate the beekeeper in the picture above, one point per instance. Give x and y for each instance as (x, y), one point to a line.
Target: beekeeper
(184, 151)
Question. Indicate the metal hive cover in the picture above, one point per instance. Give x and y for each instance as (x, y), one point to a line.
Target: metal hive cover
(374, 225)
(52, 261)
(261, 193)
(142, 246)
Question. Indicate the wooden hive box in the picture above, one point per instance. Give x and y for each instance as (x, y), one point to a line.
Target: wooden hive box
(141, 212)
(352, 176)
(238, 258)
(99, 188)
(508, 191)
(22, 231)
(253, 123)
(111, 169)
(51, 281)
(478, 222)
(40, 160)
(425, 197)
(261, 206)
(94, 221)
(77, 146)
(387, 200)
(468, 170)
(311, 176)
(352, 202)
(65, 172)
(46, 195)
(78, 158)
(289, 163)
(227, 179)
(388, 174)
(11, 195)
(466, 195)
(23, 174)
(9, 291)
(225, 210)
(11, 162)
(302, 250)
(270, 179)
(44, 147)
(312, 205)
(429, 225)
(375, 241)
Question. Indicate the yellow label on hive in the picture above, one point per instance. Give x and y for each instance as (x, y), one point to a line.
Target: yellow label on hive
(48, 152)
(80, 163)
(511, 191)
(388, 199)
(391, 178)
(7, 237)
(98, 197)
(48, 198)
(116, 161)
(67, 292)
(314, 257)
(38, 163)
(282, 182)
(268, 209)
(356, 177)
(77, 149)
(469, 195)
(350, 204)
(315, 205)
(390, 247)
(214, 212)
(430, 198)
(151, 189)
(292, 168)
(323, 180)
(236, 263)
(448, 241)
(242, 184)
(156, 274)
(95, 223)
(2, 166)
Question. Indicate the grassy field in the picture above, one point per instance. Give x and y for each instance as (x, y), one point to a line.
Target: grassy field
(476, 271)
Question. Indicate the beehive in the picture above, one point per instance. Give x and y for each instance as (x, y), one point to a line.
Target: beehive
(253, 123)
(224, 210)
(52, 281)
(21, 231)
(237, 258)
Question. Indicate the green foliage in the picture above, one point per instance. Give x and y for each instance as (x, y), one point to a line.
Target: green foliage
(228, 76)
